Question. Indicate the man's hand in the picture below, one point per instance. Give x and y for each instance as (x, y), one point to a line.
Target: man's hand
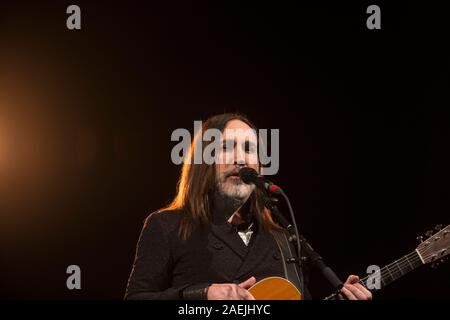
(353, 290)
(231, 291)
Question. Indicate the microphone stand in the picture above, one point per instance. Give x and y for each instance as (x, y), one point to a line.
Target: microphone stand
(303, 246)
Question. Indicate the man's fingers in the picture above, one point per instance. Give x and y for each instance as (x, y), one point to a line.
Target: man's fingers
(243, 286)
(248, 283)
(247, 295)
(366, 292)
(355, 291)
(352, 279)
(348, 294)
(244, 294)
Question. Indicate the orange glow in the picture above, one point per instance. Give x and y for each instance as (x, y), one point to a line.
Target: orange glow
(6, 156)
(35, 145)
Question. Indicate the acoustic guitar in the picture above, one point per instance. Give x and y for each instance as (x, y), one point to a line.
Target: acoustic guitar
(431, 251)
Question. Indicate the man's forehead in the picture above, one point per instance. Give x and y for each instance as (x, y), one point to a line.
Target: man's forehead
(239, 134)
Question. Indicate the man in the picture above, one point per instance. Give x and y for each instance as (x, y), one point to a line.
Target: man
(216, 239)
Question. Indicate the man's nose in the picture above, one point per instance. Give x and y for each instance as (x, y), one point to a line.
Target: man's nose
(239, 157)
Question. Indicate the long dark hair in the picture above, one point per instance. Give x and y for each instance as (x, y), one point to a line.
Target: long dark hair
(196, 185)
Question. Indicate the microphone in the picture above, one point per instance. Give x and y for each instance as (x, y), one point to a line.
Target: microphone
(250, 176)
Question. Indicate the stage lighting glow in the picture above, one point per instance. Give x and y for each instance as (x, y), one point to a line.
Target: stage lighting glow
(4, 150)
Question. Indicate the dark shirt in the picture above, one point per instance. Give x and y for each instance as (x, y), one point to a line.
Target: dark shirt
(165, 265)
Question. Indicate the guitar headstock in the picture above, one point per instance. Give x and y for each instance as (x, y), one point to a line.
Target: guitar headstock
(435, 248)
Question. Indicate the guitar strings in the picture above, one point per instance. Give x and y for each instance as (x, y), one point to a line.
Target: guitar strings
(410, 259)
(422, 254)
(384, 272)
(407, 260)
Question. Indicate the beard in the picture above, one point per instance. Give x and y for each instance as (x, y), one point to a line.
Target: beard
(234, 188)
(230, 195)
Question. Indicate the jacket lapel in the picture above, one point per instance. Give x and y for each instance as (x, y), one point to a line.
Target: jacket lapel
(228, 235)
(258, 250)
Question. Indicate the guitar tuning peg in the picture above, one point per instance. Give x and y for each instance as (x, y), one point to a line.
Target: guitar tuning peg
(429, 233)
(435, 265)
(438, 227)
(420, 239)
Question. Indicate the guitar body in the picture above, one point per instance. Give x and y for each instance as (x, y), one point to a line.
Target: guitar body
(275, 288)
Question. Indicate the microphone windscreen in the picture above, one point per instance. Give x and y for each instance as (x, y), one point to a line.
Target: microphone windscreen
(248, 175)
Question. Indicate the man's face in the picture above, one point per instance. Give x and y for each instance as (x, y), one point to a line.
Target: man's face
(239, 149)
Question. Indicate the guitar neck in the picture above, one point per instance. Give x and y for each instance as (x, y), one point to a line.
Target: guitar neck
(389, 273)
(435, 249)
(394, 270)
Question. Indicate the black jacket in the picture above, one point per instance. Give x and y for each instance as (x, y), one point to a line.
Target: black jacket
(165, 265)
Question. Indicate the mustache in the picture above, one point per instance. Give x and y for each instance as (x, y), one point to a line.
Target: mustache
(233, 172)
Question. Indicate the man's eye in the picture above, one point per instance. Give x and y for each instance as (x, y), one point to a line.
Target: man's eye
(250, 148)
(227, 145)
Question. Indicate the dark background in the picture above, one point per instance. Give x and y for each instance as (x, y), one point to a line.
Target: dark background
(86, 118)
